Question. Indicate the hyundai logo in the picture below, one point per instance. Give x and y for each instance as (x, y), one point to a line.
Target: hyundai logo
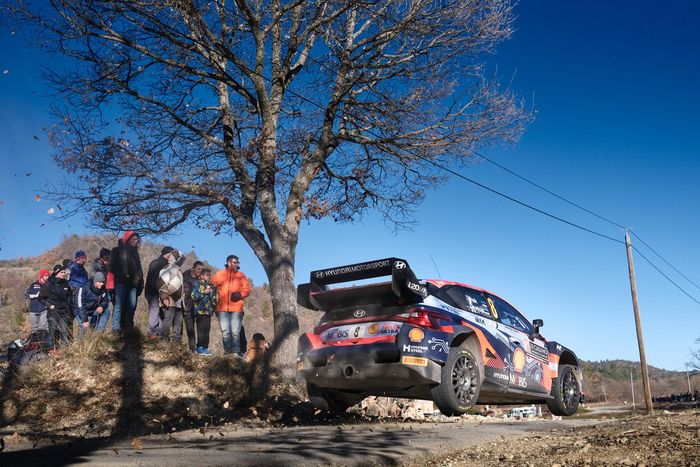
(359, 313)
(399, 265)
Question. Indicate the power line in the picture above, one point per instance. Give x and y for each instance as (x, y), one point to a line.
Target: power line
(548, 191)
(457, 174)
(664, 259)
(662, 273)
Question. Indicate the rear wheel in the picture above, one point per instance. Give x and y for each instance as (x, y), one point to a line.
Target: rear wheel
(331, 400)
(460, 380)
(566, 392)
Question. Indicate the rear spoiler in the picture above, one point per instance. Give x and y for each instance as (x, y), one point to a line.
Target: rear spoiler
(404, 283)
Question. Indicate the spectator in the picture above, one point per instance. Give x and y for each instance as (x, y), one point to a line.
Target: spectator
(37, 310)
(101, 264)
(203, 304)
(78, 274)
(91, 301)
(190, 277)
(170, 292)
(232, 287)
(125, 265)
(77, 277)
(151, 292)
(57, 295)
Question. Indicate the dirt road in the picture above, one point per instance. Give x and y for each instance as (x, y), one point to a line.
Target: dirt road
(667, 438)
(353, 444)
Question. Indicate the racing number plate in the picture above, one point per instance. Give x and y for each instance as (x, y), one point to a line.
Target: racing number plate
(360, 331)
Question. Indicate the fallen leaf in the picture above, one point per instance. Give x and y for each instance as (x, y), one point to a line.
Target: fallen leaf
(136, 444)
(115, 451)
(226, 404)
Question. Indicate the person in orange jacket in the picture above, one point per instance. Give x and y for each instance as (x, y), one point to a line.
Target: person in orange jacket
(232, 287)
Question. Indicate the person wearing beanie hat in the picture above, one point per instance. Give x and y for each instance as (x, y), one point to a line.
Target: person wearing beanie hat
(56, 295)
(125, 268)
(38, 321)
(78, 275)
(91, 301)
(99, 265)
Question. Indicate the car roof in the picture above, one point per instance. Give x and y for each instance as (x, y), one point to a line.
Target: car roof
(441, 283)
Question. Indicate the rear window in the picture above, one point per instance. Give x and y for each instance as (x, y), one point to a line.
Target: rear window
(462, 298)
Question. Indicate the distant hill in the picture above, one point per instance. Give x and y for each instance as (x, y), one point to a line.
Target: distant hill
(610, 379)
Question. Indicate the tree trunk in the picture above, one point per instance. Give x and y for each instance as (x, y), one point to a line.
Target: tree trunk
(284, 309)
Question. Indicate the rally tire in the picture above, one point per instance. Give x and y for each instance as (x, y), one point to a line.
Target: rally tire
(460, 380)
(329, 400)
(566, 392)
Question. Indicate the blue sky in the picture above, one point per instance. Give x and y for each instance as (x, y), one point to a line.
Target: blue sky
(615, 90)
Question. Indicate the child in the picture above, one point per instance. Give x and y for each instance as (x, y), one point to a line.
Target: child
(204, 304)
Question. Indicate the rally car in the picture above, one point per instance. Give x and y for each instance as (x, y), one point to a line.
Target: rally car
(448, 342)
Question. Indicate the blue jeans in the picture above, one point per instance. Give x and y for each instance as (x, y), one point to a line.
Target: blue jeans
(230, 324)
(124, 307)
(99, 321)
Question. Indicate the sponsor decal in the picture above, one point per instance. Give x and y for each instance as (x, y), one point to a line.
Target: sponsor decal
(518, 381)
(359, 313)
(414, 286)
(373, 328)
(438, 344)
(400, 265)
(416, 335)
(414, 348)
(519, 359)
(539, 352)
(350, 269)
(502, 376)
(418, 361)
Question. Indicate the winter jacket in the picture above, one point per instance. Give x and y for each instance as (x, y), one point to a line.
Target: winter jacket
(187, 289)
(125, 264)
(203, 303)
(78, 276)
(32, 293)
(228, 282)
(170, 284)
(99, 266)
(57, 293)
(87, 299)
(154, 269)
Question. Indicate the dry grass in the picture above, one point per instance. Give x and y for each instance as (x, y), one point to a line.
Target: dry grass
(101, 385)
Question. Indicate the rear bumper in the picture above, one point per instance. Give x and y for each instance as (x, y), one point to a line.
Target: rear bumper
(372, 368)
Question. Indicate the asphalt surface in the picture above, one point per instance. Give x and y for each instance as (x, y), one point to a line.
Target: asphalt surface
(352, 444)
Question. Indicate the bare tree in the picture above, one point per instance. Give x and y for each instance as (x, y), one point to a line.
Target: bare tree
(248, 116)
(695, 357)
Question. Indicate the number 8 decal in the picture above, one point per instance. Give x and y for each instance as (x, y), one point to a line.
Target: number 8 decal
(492, 307)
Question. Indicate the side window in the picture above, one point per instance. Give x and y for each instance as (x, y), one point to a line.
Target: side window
(511, 317)
(475, 302)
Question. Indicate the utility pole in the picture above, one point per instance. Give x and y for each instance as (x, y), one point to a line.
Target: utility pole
(687, 375)
(634, 405)
(638, 323)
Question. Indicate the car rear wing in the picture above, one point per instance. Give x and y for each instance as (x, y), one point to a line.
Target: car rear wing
(404, 286)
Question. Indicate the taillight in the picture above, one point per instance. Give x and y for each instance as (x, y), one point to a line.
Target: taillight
(422, 317)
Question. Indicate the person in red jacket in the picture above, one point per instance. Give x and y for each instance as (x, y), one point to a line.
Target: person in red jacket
(232, 287)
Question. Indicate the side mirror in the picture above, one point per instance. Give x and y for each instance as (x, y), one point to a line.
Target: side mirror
(537, 323)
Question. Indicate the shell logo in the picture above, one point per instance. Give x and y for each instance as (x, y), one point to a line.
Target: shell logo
(518, 359)
(416, 335)
(373, 329)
